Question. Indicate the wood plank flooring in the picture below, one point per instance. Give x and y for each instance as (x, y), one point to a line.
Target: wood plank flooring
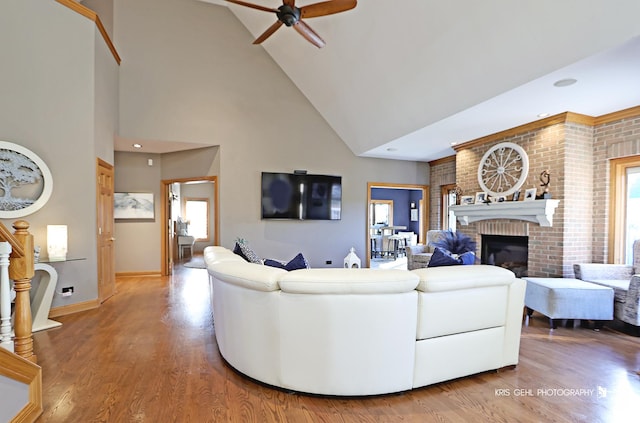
(149, 355)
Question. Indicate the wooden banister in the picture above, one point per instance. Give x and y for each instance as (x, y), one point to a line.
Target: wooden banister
(21, 271)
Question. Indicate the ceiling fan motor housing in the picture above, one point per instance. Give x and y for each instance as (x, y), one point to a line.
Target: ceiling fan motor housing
(288, 15)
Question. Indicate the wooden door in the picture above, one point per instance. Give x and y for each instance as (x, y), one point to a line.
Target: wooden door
(106, 268)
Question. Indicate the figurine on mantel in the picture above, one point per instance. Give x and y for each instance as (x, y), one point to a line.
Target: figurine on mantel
(545, 178)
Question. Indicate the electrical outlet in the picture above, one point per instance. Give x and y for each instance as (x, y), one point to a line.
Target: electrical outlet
(67, 291)
(328, 262)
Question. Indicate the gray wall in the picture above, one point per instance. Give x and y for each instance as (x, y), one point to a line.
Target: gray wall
(55, 102)
(190, 73)
(138, 243)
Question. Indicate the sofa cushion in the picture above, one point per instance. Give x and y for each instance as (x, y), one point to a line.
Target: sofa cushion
(348, 281)
(434, 279)
(620, 287)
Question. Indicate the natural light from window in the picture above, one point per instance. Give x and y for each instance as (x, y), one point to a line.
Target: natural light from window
(633, 217)
(197, 212)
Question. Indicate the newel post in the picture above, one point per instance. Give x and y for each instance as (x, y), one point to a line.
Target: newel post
(21, 271)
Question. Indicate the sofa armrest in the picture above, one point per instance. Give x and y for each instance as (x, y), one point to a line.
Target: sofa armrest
(602, 271)
(416, 249)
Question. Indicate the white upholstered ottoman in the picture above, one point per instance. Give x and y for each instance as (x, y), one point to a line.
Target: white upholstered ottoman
(563, 298)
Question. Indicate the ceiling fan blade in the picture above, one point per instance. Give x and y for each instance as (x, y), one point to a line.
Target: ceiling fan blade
(326, 8)
(308, 33)
(291, 3)
(253, 6)
(273, 28)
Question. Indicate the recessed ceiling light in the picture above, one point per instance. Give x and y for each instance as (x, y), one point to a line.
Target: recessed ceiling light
(136, 145)
(543, 115)
(392, 149)
(565, 82)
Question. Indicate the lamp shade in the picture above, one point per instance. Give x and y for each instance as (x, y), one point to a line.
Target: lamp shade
(57, 242)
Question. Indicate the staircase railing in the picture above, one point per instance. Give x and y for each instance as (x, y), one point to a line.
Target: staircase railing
(20, 268)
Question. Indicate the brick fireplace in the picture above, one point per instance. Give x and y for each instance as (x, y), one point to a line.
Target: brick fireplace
(565, 149)
(575, 149)
(508, 251)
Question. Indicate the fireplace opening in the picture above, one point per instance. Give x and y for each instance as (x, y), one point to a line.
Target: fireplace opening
(508, 251)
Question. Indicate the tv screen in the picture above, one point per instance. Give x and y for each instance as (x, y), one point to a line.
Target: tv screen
(301, 196)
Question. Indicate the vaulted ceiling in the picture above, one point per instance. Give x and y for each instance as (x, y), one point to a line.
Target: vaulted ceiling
(405, 79)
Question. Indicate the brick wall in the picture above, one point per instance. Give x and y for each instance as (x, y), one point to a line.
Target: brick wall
(442, 172)
(615, 139)
(577, 154)
(546, 151)
(577, 151)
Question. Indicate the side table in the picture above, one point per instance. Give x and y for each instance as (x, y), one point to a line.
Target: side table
(41, 303)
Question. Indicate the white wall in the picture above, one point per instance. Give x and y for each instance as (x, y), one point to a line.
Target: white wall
(55, 103)
(190, 73)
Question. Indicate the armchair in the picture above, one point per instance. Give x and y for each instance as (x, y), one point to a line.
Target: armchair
(625, 281)
(418, 256)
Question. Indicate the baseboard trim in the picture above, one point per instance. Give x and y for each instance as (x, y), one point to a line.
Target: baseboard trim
(149, 273)
(74, 308)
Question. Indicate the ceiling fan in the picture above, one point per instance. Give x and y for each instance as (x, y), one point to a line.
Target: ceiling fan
(290, 15)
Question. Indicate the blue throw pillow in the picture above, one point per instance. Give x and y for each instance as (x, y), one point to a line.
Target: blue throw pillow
(274, 263)
(442, 257)
(298, 262)
(237, 250)
(468, 258)
(249, 254)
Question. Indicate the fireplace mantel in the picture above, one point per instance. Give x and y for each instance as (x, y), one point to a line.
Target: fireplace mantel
(537, 211)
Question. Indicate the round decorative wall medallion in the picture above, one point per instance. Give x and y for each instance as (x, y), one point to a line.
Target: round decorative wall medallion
(503, 169)
(25, 181)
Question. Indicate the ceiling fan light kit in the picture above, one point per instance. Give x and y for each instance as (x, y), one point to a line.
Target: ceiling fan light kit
(290, 15)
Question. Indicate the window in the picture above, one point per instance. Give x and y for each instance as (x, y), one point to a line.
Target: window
(625, 200)
(197, 213)
(632, 220)
(380, 214)
(449, 198)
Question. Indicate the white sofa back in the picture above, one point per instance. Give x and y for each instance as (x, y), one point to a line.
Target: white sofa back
(363, 331)
(348, 331)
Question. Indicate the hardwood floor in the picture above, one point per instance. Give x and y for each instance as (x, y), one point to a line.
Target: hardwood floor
(149, 354)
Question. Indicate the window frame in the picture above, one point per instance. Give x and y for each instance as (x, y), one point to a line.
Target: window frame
(445, 190)
(618, 206)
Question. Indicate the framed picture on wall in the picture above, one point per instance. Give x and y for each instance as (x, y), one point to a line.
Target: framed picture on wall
(25, 181)
(133, 205)
(530, 194)
(466, 200)
(481, 197)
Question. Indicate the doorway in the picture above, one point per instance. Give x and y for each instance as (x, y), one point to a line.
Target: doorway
(408, 205)
(106, 260)
(174, 206)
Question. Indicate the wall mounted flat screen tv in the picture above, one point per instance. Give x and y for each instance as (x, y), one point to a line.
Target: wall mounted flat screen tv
(301, 196)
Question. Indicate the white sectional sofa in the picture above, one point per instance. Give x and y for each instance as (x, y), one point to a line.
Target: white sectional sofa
(363, 331)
